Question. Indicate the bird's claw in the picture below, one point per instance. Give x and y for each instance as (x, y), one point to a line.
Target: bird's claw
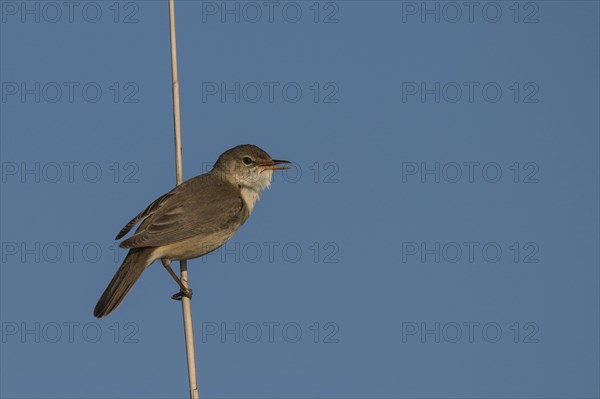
(182, 293)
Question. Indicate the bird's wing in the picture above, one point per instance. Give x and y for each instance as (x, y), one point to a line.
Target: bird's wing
(150, 209)
(202, 205)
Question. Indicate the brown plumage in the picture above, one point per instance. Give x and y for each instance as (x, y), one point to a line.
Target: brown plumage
(193, 219)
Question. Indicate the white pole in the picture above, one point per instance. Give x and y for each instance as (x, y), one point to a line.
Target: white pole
(185, 301)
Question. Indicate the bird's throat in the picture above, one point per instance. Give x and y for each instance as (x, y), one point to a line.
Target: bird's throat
(252, 186)
(250, 196)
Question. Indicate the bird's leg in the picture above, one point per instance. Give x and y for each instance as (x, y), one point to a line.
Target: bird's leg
(185, 291)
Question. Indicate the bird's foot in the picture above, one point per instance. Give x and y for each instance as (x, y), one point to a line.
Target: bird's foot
(182, 293)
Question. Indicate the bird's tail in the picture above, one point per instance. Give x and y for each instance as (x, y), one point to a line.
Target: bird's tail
(134, 264)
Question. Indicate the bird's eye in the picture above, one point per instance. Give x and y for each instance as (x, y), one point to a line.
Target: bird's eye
(247, 160)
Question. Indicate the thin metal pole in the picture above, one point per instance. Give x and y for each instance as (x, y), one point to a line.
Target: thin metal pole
(185, 301)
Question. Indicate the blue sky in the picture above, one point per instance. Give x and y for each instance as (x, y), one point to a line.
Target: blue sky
(437, 235)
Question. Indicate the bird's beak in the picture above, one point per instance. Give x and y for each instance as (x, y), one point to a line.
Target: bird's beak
(275, 164)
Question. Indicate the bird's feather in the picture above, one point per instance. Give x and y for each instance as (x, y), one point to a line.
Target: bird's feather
(189, 210)
(143, 214)
(134, 264)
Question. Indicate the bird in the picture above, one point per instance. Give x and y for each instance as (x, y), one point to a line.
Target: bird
(193, 219)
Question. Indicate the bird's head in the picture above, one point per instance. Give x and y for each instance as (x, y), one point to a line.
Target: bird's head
(248, 166)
